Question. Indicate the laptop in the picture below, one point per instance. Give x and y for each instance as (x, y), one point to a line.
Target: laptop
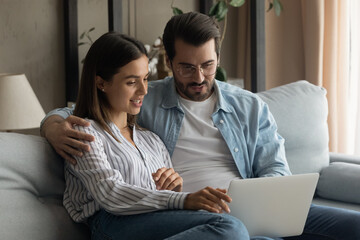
(273, 206)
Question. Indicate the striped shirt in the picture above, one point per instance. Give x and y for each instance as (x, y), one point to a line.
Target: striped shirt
(117, 176)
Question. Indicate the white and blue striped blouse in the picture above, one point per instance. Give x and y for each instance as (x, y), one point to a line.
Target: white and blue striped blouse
(117, 176)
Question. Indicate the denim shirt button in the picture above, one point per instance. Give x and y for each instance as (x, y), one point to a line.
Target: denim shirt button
(221, 121)
(236, 149)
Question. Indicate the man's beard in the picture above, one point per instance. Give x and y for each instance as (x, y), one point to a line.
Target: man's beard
(198, 96)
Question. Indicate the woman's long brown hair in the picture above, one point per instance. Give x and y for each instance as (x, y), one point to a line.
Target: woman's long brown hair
(104, 59)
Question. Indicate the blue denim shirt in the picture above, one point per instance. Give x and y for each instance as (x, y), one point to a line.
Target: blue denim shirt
(243, 119)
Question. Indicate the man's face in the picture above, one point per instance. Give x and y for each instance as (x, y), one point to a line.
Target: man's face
(194, 69)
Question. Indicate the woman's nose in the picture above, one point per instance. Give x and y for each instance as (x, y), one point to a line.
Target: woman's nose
(142, 89)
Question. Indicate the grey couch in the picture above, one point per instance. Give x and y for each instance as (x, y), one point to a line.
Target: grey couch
(300, 110)
(32, 181)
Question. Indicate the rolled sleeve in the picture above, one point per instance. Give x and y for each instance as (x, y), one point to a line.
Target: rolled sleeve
(62, 112)
(270, 159)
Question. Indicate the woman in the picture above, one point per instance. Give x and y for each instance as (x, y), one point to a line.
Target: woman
(120, 186)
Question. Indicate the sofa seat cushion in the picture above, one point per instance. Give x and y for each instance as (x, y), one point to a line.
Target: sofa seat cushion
(340, 181)
(31, 190)
(338, 204)
(300, 110)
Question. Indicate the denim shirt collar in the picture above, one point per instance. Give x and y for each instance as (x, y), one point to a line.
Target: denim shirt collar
(171, 97)
(221, 103)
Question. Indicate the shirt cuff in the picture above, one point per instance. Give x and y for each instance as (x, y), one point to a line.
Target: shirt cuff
(62, 112)
(176, 200)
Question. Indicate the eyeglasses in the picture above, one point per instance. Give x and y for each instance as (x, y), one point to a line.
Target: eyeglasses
(188, 71)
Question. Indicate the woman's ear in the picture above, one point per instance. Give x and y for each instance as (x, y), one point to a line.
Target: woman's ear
(100, 83)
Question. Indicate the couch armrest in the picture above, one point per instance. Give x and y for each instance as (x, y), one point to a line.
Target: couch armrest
(341, 157)
(340, 181)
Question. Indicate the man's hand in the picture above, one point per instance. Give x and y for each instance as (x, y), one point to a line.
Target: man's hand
(209, 199)
(168, 179)
(65, 140)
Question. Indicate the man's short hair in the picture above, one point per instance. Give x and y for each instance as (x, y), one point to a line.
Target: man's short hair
(193, 28)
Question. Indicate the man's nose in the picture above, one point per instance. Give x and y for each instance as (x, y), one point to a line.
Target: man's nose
(199, 75)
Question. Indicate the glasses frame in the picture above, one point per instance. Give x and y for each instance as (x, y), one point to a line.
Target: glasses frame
(178, 69)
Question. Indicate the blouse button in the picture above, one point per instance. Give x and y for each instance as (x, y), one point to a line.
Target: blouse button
(236, 149)
(221, 121)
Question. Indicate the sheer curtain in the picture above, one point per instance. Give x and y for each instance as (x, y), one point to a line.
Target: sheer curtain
(337, 65)
(354, 96)
(326, 52)
(335, 71)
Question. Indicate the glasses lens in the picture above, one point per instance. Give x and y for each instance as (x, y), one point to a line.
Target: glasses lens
(209, 69)
(189, 71)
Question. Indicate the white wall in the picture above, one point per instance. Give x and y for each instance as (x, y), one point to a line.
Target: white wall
(91, 13)
(32, 37)
(229, 46)
(146, 20)
(32, 42)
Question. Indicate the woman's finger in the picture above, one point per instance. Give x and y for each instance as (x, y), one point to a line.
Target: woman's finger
(164, 176)
(158, 173)
(171, 179)
(176, 184)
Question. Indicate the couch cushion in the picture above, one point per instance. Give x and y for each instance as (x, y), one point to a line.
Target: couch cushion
(300, 110)
(340, 181)
(31, 190)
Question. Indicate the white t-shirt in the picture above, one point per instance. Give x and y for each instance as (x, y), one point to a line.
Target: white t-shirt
(201, 155)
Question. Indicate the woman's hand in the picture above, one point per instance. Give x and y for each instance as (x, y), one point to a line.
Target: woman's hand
(209, 199)
(168, 179)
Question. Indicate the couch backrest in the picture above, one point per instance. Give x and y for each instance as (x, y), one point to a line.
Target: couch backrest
(31, 190)
(300, 110)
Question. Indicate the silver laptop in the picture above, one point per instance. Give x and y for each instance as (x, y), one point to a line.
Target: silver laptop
(273, 206)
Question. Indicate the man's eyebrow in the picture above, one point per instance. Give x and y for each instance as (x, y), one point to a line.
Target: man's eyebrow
(207, 62)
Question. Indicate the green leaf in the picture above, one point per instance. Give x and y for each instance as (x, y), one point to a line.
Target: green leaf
(221, 74)
(177, 11)
(81, 43)
(221, 11)
(270, 7)
(213, 9)
(237, 3)
(91, 29)
(277, 7)
(82, 35)
(88, 37)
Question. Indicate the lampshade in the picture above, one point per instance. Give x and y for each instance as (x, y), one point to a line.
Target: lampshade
(19, 106)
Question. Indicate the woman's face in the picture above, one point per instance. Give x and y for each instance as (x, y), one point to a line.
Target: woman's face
(126, 91)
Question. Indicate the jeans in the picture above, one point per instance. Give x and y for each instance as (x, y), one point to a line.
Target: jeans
(171, 224)
(329, 223)
(323, 223)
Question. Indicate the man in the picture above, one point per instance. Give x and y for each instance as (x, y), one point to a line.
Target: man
(214, 132)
